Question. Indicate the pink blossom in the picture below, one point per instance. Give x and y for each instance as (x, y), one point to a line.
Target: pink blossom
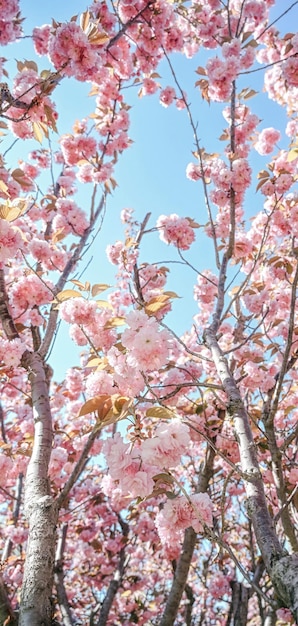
(16, 534)
(10, 25)
(78, 310)
(290, 71)
(11, 351)
(59, 457)
(6, 465)
(10, 240)
(126, 216)
(176, 230)
(125, 468)
(181, 513)
(267, 139)
(206, 289)
(42, 157)
(149, 86)
(170, 442)
(28, 291)
(147, 346)
(70, 217)
(69, 45)
(98, 383)
(117, 455)
(255, 11)
(167, 96)
(128, 379)
(40, 36)
(219, 585)
(77, 148)
(221, 74)
(193, 171)
(137, 483)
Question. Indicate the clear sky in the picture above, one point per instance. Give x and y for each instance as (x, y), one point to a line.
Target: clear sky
(151, 173)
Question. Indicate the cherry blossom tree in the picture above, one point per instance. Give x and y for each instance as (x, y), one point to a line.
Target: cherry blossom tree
(156, 483)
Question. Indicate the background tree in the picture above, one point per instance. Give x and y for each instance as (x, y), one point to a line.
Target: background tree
(156, 483)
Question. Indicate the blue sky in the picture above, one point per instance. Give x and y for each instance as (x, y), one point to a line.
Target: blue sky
(151, 173)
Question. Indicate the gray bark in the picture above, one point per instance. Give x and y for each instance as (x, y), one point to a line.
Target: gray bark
(270, 618)
(282, 568)
(40, 508)
(239, 604)
(7, 615)
(65, 611)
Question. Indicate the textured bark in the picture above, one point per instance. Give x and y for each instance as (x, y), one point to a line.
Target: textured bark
(59, 580)
(15, 515)
(7, 615)
(184, 561)
(8, 324)
(282, 568)
(180, 578)
(239, 605)
(270, 618)
(40, 507)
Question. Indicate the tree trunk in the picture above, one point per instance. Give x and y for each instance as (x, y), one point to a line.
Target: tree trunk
(7, 615)
(239, 604)
(40, 508)
(281, 567)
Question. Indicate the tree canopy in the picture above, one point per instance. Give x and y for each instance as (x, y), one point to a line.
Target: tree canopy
(155, 482)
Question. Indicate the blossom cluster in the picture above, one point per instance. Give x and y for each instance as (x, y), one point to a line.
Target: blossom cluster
(10, 240)
(176, 230)
(10, 24)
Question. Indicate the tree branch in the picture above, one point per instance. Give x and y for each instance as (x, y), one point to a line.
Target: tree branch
(52, 322)
(59, 580)
(79, 466)
(8, 324)
(40, 508)
(117, 579)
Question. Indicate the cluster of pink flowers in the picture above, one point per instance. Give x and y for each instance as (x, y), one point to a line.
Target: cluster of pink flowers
(27, 292)
(40, 36)
(74, 149)
(219, 585)
(6, 464)
(152, 280)
(128, 379)
(10, 25)
(176, 230)
(167, 96)
(11, 352)
(10, 241)
(78, 311)
(98, 383)
(69, 46)
(42, 158)
(126, 469)
(266, 141)
(170, 441)
(88, 321)
(69, 218)
(26, 88)
(122, 255)
(147, 346)
(206, 289)
(221, 73)
(48, 255)
(193, 172)
(181, 513)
